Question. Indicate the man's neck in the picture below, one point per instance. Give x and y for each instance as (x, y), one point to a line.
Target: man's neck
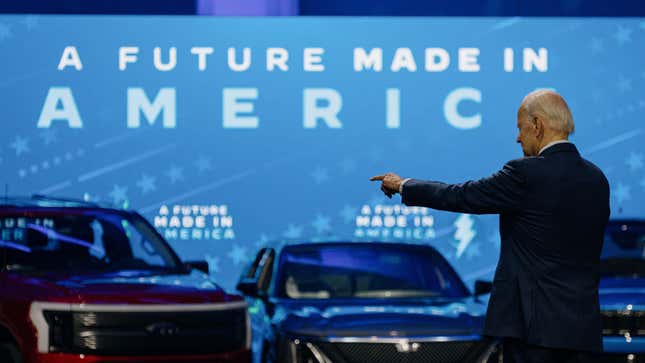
(553, 142)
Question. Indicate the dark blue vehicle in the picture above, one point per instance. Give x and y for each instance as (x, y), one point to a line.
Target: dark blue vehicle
(347, 302)
(622, 291)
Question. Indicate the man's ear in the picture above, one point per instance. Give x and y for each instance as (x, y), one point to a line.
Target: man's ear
(539, 126)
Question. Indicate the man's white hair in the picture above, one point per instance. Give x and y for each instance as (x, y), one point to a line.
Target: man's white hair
(550, 107)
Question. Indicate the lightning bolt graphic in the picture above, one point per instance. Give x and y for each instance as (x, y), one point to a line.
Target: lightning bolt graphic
(464, 233)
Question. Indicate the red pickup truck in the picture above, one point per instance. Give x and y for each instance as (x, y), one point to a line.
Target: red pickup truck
(84, 283)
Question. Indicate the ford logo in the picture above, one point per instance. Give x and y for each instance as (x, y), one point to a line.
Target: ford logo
(163, 329)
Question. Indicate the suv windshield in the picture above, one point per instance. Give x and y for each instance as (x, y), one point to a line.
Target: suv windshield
(98, 241)
(366, 271)
(623, 251)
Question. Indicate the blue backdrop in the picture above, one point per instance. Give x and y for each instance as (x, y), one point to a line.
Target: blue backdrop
(224, 155)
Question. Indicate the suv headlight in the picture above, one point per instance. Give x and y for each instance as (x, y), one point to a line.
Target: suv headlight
(306, 352)
(492, 353)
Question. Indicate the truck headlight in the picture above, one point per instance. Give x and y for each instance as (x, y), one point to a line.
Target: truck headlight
(60, 330)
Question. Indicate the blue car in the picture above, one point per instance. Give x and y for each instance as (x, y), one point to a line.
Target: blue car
(622, 291)
(360, 302)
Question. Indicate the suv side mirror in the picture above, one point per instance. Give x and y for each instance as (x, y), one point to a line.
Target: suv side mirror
(257, 277)
(483, 287)
(198, 265)
(248, 287)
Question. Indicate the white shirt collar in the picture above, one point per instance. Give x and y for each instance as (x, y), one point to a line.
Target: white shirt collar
(551, 144)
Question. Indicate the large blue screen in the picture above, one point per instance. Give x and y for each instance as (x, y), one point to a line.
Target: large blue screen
(229, 133)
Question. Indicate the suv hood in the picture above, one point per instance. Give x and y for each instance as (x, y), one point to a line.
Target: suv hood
(381, 317)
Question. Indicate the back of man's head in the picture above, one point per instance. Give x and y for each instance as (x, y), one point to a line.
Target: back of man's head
(551, 108)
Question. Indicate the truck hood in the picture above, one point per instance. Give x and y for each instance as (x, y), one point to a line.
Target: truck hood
(123, 287)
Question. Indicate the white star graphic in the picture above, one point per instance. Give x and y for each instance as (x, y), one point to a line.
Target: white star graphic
(20, 145)
(146, 183)
(320, 175)
(48, 136)
(203, 163)
(292, 232)
(118, 194)
(321, 224)
(348, 214)
(237, 254)
(634, 161)
(175, 174)
(262, 241)
(623, 35)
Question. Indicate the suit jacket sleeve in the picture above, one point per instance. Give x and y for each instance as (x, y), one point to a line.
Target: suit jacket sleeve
(502, 192)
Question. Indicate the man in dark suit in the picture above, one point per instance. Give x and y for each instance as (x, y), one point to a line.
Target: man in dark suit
(553, 208)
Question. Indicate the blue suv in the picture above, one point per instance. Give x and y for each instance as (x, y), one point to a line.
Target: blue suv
(622, 291)
(360, 302)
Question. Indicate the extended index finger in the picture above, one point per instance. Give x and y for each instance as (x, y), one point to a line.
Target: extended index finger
(377, 177)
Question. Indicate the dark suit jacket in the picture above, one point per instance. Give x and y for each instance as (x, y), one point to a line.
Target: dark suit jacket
(553, 211)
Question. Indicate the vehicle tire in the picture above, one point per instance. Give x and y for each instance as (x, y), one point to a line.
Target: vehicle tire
(9, 353)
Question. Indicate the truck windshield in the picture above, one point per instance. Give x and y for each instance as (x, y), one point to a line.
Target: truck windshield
(355, 270)
(81, 240)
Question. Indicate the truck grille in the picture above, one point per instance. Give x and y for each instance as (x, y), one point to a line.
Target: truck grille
(156, 333)
(623, 322)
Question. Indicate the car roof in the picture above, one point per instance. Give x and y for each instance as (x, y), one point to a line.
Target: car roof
(391, 244)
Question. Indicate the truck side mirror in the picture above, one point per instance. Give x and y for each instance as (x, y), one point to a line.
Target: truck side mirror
(198, 265)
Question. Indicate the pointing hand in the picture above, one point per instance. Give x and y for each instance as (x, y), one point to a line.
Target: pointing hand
(390, 183)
